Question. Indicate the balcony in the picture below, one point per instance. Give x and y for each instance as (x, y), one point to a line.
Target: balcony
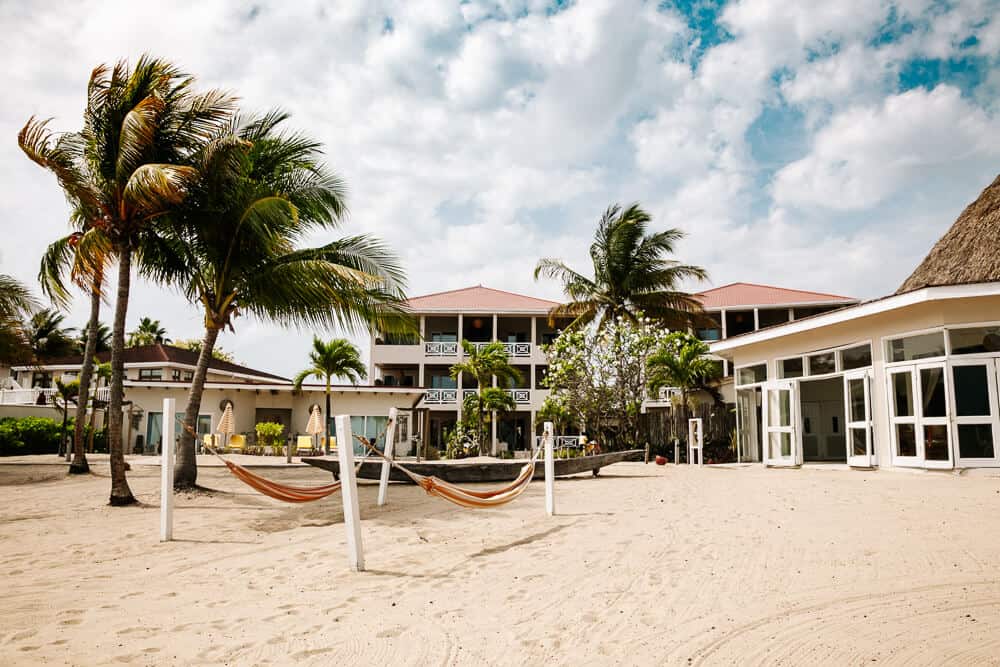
(517, 350)
(35, 396)
(520, 396)
(441, 396)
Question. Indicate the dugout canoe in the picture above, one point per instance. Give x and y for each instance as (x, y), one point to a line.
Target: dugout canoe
(464, 472)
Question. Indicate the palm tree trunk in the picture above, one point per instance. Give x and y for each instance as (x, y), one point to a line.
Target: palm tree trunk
(186, 468)
(121, 494)
(326, 422)
(90, 436)
(79, 464)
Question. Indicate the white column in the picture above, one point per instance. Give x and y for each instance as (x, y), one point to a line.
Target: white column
(460, 398)
(791, 314)
(167, 472)
(349, 493)
(756, 319)
(423, 327)
(534, 333)
(722, 318)
(550, 470)
(390, 451)
(420, 374)
(461, 333)
(495, 321)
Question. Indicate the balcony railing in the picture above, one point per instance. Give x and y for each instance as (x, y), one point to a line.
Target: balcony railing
(513, 349)
(26, 396)
(440, 349)
(520, 396)
(441, 396)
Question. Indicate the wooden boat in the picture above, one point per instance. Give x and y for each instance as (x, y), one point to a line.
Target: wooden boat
(463, 471)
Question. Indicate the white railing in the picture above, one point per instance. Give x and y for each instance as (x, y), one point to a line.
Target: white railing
(513, 349)
(561, 441)
(663, 396)
(520, 396)
(468, 392)
(103, 394)
(26, 396)
(441, 396)
(440, 349)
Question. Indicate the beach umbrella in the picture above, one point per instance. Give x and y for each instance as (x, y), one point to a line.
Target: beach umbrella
(315, 425)
(227, 425)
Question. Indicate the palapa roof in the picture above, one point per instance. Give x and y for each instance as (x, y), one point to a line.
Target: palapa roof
(750, 294)
(969, 252)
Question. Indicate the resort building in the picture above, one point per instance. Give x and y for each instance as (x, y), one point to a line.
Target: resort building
(908, 380)
(155, 372)
(480, 315)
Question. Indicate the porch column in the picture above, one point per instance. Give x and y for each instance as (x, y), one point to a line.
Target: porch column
(756, 319)
(423, 327)
(722, 316)
(420, 374)
(791, 314)
(495, 320)
(532, 376)
(458, 397)
(461, 334)
(534, 332)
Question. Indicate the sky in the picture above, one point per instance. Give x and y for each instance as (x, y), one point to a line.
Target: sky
(820, 146)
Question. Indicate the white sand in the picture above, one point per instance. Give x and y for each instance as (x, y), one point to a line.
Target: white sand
(647, 565)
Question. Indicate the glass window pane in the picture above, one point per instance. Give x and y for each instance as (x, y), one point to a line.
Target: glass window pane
(906, 440)
(779, 407)
(781, 444)
(923, 346)
(856, 394)
(822, 363)
(856, 357)
(932, 392)
(975, 441)
(752, 374)
(859, 441)
(972, 393)
(975, 340)
(902, 394)
(790, 368)
(936, 442)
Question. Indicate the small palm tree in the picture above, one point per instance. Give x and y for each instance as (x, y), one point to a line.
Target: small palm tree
(148, 332)
(485, 363)
(682, 363)
(102, 375)
(65, 394)
(338, 358)
(632, 275)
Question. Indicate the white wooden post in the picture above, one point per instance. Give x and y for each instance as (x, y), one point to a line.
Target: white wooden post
(390, 451)
(167, 472)
(695, 440)
(349, 493)
(550, 470)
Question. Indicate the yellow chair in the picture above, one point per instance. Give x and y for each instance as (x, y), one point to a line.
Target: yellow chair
(333, 444)
(207, 440)
(237, 442)
(304, 443)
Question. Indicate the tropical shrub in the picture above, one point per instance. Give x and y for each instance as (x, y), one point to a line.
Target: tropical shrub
(36, 435)
(269, 434)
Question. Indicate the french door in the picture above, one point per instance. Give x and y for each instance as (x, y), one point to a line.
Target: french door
(857, 400)
(975, 426)
(781, 417)
(919, 415)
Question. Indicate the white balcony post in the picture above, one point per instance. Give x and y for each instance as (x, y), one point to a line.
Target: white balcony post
(722, 316)
(534, 331)
(756, 319)
(423, 327)
(461, 333)
(495, 337)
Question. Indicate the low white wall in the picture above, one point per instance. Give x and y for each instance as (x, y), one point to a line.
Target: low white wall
(33, 411)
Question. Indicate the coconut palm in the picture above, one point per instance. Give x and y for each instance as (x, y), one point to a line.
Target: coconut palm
(233, 249)
(48, 337)
(485, 363)
(682, 363)
(16, 305)
(632, 275)
(148, 332)
(102, 339)
(65, 394)
(338, 358)
(126, 169)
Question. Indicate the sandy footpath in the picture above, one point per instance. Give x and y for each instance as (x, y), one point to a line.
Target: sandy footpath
(645, 565)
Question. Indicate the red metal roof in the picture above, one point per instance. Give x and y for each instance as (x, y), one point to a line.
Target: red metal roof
(750, 294)
(479, 298)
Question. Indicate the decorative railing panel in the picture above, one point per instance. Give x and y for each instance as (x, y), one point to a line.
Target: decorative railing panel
(441, 396)
(440, 349)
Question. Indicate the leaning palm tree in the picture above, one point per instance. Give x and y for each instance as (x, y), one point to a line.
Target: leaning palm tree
(483, 363)
(148, 332)
(127, 168)
(338, 358)
(16, 306)
(232, 248)
(632, 275)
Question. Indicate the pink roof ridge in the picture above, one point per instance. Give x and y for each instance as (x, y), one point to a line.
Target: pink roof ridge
(476, 294)
(754, 294)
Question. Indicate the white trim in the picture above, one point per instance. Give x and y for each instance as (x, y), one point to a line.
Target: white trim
(858, 311)
(783, 305)
(147, 364)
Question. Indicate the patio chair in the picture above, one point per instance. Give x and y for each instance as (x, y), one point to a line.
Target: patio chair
(304, 443)
(207, 440)
(237, 443)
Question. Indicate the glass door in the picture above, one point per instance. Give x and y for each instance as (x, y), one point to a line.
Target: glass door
(933, 433)
(781, 447)
(903, 417)
(857, 403)
(747, 428)
(974, 412)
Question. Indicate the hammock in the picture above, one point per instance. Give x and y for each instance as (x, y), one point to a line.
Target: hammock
(469, 498)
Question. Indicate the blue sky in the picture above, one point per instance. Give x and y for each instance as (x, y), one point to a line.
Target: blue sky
(814, 145)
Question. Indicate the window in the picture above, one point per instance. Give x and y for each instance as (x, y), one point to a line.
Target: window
(150, 373)
(710, 334)
(856, 357)
(974, 340)
(442, 382)
(820, 364)
(790, 368)
(768, 317)
(932, 392)
(188, 376)
(41, 380)
(974, 393)
(176, 375)
(751, 374)
(921, 346)
(440, 337)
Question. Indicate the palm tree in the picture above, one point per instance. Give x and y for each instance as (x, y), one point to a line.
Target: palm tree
(126, 169)
(485, 363)
(102, 339)
(632, 275)
(48, 337)
(232, 249)
(149, 332)
(102, 372)
(16, 305)
(682, 363)
(65, 392)
(337, 359)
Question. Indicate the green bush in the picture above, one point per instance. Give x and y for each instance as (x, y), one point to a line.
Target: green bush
(30, 435)
(269, 434)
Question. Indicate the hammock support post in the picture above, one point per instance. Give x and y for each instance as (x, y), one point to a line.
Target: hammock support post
(390, 451)
(167, 471)
(349, 493)
(550, 470)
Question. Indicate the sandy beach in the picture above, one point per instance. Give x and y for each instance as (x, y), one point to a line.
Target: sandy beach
(644, 565)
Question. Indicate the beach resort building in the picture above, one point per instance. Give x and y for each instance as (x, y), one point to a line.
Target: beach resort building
(908, 380)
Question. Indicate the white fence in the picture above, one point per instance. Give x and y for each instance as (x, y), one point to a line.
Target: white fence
(451, 349)
(436, 349)
(36, 396)
(441, 396)
(520, 396)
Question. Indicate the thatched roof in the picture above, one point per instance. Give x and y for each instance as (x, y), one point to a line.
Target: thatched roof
(969, 252)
